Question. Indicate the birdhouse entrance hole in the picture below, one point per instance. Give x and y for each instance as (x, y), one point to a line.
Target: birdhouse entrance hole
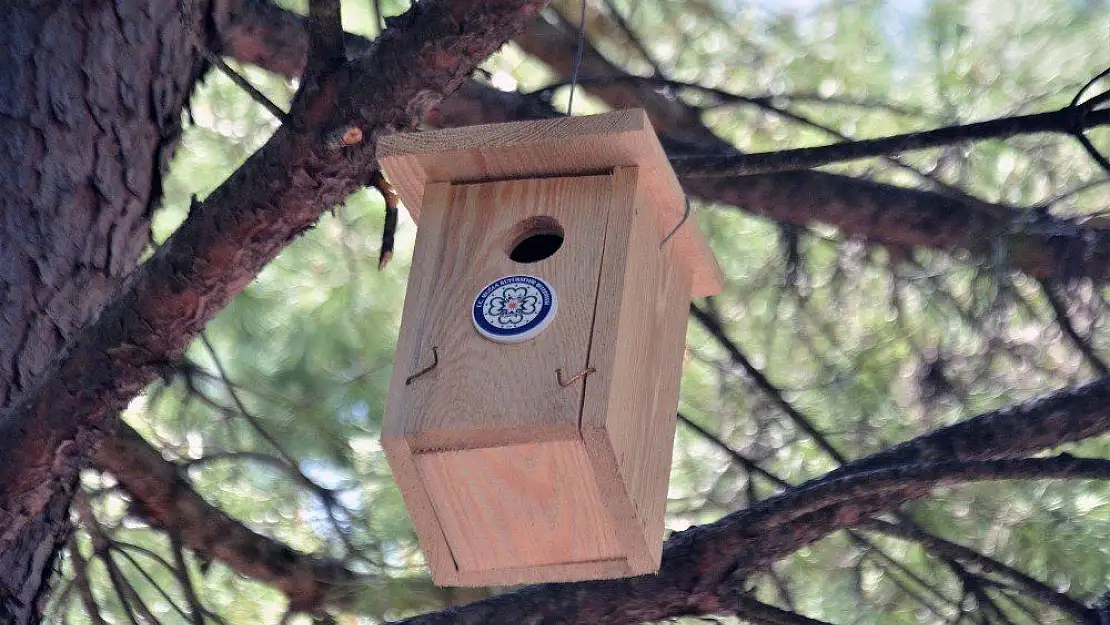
(540, 238)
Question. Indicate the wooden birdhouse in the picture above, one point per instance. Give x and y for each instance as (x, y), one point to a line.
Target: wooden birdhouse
(531, 413)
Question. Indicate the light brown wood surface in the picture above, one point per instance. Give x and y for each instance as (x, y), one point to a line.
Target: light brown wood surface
(397, 448)
(519, 506)
(486, 446)
(567, 146)
(510, 477)
(485, 393)
(628, 419)
(569, 572)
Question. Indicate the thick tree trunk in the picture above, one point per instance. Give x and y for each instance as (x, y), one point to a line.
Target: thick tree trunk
(91, 95)
(49, 426)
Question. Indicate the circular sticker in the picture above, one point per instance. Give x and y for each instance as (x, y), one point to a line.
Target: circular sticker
(514, 308)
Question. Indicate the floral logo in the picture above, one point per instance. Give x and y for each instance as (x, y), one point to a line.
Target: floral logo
(514, 308)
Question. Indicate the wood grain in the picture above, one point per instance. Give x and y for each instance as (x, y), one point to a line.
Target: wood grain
(519, 506)
(397, 449)
(480, 513)
(628, 418)
(509, 476)
(553, 147)
(484, 393)
(567, 572)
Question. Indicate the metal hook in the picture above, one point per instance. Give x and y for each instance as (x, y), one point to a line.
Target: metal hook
(435, 363)
(685, 216)
(585, 372)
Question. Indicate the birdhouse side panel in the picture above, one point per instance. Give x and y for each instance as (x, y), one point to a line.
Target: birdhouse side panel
(418, 504)
(485, 391)
(649, 434)
(639, 334)
(397, 448)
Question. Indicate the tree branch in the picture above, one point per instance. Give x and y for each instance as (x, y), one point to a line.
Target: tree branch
(1068, 415)
(1033, 588)
(554, 42)
(838, 488)
(1050, 247)
(163, 497)
(244, 84)
(166, 500)
(1047, 247)
(81, 579)
(181, 571)
(1045, 422)
(264, 35)
(749, 465)
(102, 549)
(711, 322)
(1061, 121)
(277, 194)
(325, 34)
(512, 106)
(759, 612)
(697, 560)
(1060, 311)
(713, 325)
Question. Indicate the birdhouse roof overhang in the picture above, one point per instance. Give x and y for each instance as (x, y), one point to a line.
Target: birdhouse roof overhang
(566, 146)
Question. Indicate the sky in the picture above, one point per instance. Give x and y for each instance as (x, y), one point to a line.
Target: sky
(900, 17)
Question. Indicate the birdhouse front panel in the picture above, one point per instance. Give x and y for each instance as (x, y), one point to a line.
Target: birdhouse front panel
(492, 431)
(473, 422)
(495, 391)
(531, 412)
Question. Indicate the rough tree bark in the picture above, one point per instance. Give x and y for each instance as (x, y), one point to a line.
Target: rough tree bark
(90, 106)
(91, 98)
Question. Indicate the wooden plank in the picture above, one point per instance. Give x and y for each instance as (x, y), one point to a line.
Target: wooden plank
(628, 419)
(603, 357)
(552, 147)
(425, 257)
(414, 316)
(647, 467)
(520, 506)
(571, 146)
(485, 393)
(429, 532)
(641, 419)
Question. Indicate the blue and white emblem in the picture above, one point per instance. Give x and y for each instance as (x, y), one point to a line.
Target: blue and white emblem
(514, 308)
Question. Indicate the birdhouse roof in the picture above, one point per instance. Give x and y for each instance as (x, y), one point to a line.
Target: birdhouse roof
(566, 146)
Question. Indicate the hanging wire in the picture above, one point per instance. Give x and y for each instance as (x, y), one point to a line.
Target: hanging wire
(581, 45)
(685, 216)
(577, 57)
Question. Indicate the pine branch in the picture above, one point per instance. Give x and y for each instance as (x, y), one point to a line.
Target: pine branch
(1031, 587)
(47, 437)
(81, 579)
(1062, 121)
(881, 213)
(1081, 343)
